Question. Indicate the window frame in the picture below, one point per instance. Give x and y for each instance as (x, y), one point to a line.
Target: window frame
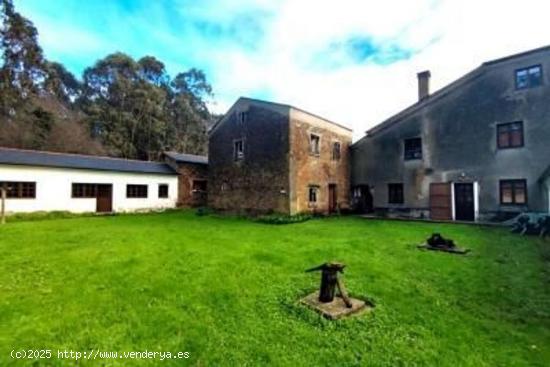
(238, 155)
(513, 183)
(313, 190)
(88, 190)
(526, 69)
(408, 157)
(20, 190)
(509, 124)
(163, 195)
(198, 180)
(243, 117)
(336, 154)
(132, 191)
(401, 195)
(315, 137)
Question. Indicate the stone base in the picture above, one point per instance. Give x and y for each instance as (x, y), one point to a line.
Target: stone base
(337, 308)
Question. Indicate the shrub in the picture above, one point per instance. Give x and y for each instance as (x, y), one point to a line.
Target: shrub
(283, 219)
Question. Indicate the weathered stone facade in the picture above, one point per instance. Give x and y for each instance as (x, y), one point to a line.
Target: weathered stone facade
(275, 170)
(192, 178)
(320, 170)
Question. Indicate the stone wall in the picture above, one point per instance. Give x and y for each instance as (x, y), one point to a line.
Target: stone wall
(308, 169)
(258, 183)
(188, 196)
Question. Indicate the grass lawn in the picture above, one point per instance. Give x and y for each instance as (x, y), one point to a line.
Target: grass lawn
(226, 289)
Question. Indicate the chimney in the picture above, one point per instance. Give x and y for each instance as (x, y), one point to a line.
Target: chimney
(423, 85)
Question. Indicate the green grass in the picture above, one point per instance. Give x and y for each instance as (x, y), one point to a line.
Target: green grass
(226, 291)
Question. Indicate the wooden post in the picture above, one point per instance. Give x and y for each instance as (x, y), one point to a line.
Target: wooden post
(3, 206)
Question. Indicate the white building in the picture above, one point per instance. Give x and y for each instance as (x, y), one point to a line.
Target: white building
(44, 181)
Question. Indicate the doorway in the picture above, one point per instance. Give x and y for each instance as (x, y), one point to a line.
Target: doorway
(363, 201)
(464, 201)
(332, 198)
(104, 198)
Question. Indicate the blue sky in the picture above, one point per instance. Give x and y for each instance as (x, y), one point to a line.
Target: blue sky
(353, 61)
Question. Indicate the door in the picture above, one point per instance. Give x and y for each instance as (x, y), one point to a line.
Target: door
(104, 198)
(440, 201)
(363, 199)
(464, 201)
(332, 198)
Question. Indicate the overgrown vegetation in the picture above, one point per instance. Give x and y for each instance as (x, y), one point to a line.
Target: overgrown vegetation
(283, 219)
(225, 289)
(121, 107)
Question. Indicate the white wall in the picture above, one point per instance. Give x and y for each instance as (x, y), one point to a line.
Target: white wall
(54, 185)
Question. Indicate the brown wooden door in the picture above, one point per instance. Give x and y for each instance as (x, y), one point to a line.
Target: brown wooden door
(104, 198)
(440, 201)
(332, 198)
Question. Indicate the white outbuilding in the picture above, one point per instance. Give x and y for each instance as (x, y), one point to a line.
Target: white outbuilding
(46, 181)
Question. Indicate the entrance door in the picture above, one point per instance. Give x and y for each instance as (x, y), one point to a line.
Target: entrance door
(363, 199)
(332, 198)
(104, 198)
(464, 201)
(440, 201)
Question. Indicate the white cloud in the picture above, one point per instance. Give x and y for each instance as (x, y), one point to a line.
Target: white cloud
(450, 37)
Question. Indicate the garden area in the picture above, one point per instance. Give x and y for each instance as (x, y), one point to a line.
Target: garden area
(226, 290)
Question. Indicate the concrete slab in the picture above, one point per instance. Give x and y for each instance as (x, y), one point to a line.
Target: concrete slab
(336, 309)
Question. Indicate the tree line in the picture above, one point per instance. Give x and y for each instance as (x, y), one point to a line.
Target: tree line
(120, 106)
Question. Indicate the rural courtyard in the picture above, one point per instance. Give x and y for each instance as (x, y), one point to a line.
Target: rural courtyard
(226, 290)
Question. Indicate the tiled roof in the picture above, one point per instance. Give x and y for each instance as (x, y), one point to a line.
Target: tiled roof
(188, 158)
(63, 160)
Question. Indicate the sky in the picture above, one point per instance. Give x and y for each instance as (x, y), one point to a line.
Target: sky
(351, 61)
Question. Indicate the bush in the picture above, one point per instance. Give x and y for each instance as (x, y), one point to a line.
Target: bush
(203, 210)
(283, 219)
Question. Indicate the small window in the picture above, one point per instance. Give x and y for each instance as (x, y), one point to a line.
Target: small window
(413, 149)
(395, 193)
(163, 191)
(529, 77)
(313, 194)
(510, 135)
(136, 191)
(314, 144)
(513, 192)
(19, 190)
(243, 117)
(336, 151)
(84, 190)
(238, 150)
(224, 187)
(199, 186)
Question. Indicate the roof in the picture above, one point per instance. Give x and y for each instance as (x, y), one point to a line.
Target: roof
(78, 161)
(254, 100)
(187, 158)
(472, 75)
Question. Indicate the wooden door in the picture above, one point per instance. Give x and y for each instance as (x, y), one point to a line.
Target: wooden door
(104, 198)
(464, 201)
(440, 201)
(332, 198)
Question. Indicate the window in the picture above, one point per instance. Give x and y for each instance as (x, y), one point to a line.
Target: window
(314, 144)
(513, 192)
(336, 151)
(395, 193)
(19, 190)
(225, 187)
(243, 117)
(529, 77)
(84, 190)
(136, 191)
(199, 186)
(510, 135)
(238, 150)
(413, 149)
(313, 194)
(163, 191)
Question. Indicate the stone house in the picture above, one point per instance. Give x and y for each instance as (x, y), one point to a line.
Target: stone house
(476, 149)
(192, 178)
(269, 157)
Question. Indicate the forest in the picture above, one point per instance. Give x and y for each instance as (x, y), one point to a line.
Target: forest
(120, 107)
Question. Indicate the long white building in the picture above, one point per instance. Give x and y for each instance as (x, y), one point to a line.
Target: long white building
(45, 181)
